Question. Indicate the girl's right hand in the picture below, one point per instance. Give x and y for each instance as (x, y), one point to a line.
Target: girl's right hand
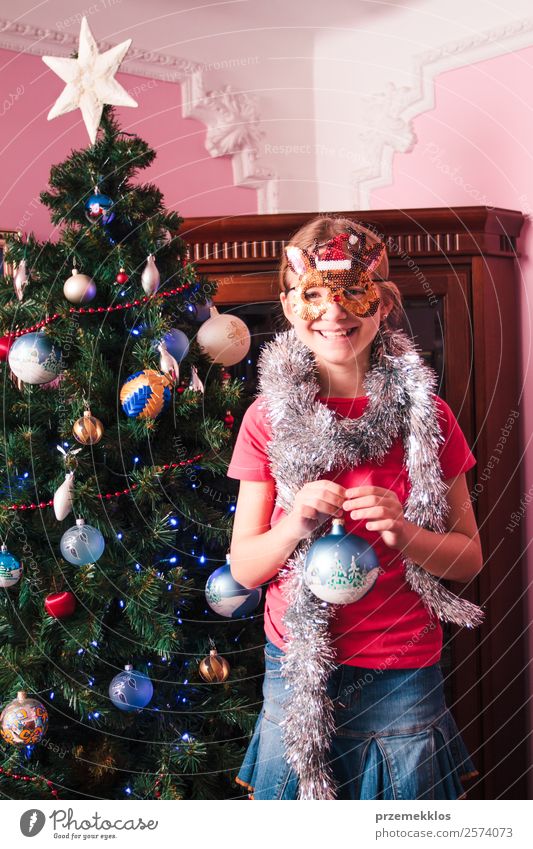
(313, 505)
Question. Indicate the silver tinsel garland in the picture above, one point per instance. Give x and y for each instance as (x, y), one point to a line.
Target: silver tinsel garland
(309, 439)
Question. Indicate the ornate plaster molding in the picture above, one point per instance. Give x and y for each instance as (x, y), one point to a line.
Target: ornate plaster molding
(231, 117)
(391, 113)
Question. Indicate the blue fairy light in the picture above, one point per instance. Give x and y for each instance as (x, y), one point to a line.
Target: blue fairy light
(180, 621)
(201, 559)
(173, 560)
(52, 695)
(96, 714)
(26, 475)
(65, 445)
(119, 535)
(127, 791)
(169, 587)
(94, 643)
(173, 521)
(80, 651)
(186, 681)
(137, 567)
(121, 603)
(194, 536)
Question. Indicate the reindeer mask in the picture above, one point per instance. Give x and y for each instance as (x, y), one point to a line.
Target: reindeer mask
(336, 276)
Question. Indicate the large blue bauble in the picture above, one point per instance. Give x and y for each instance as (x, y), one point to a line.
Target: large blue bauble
(228, 598)
(130, 690)
(82, 544)
(177, 344)
(35, 358)
(340, 568)
(98, 208)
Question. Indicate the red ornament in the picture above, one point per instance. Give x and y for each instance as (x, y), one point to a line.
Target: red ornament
(228, 420)
(60, 605)
(122, 277)
(5, 345)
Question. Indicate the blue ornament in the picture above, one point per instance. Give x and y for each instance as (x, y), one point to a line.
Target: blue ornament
(10, 568)
(35, 358)
(228, 598)
(98, 208)
(177, 344)
(82, 544)
(145, 395)
(199, 312)
(130, 690)
(340, 568)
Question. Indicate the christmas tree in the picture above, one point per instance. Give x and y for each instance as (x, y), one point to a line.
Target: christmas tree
(140, 461)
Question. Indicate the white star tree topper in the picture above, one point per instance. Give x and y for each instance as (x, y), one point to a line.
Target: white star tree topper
(89, 80)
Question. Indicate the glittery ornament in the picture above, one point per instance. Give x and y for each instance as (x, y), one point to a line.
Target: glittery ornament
(20, 281)
(150, 277)
(145, 395)
(64, 497)
(130, 690)
(79, 288)
(82, 544)
(23, 722)
(224, 337)
(88, 430)
(10, 568)
(400, 390)
(214, 668)
(340, 568)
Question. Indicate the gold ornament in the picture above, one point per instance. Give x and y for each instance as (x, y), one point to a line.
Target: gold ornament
(214, 667)
(88, 430)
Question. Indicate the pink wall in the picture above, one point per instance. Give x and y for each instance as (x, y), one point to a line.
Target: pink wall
(193, 183)
(475, 147)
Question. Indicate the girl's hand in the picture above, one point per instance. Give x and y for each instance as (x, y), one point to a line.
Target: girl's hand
(383, 508)
(313, 505)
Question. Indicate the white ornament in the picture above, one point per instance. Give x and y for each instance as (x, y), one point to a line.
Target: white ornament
(224, 337)
(63, 497)
(195, 383)
(20, 280)
(90, 80)
(168, 364)
(150, 277)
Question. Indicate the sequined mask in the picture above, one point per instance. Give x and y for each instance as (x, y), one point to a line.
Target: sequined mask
(336, 276)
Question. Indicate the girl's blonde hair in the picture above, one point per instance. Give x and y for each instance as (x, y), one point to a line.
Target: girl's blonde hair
(325, 227)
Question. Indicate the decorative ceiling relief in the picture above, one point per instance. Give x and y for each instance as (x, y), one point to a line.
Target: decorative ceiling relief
(231, 117)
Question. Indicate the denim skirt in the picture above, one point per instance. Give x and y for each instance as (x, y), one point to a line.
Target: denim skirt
(395, 738)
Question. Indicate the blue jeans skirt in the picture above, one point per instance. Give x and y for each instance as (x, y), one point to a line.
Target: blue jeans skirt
(395, 738)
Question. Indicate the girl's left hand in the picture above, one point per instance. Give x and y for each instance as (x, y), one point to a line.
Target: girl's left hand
(383, 507)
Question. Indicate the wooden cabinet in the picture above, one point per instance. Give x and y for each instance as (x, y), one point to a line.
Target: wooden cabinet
(457, 273)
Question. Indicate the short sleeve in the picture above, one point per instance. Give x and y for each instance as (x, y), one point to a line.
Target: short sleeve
(454, 454)
(249, 461)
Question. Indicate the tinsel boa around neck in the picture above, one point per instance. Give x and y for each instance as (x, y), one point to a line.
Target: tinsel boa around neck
(309, 439)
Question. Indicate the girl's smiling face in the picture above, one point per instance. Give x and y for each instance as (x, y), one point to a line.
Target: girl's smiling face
(337, 337)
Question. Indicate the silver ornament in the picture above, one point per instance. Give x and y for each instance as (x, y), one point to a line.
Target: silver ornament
(79, 288)
(150, 277)
(20, 281)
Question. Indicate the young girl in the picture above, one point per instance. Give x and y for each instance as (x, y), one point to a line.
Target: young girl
(347, 425)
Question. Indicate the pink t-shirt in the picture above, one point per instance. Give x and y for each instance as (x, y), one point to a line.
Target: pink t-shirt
(389, 627)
